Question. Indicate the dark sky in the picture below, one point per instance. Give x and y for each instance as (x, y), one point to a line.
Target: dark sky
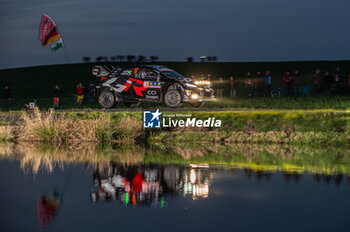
(233, 30)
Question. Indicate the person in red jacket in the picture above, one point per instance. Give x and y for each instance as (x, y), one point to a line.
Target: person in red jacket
(80, 93)
(288, 82)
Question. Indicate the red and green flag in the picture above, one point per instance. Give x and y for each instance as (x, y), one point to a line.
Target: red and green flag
(48, 34)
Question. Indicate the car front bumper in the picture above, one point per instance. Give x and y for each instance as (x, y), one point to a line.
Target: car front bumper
(199, 95)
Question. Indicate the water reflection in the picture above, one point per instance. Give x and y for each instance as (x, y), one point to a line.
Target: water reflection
(192, 182)
(149, 185)
(264, 159)
(47, 208)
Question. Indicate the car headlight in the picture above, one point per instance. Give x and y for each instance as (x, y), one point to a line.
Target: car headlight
(195, 96)
(190, 86)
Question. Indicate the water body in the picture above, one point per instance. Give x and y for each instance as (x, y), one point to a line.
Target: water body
(47, 189)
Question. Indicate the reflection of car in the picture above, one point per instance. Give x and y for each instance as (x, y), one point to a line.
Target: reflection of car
(149, 83)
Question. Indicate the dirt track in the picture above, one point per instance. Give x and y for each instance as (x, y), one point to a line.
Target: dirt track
(200, 110)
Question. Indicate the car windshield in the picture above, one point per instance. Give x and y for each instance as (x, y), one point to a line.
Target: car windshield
(171, 74)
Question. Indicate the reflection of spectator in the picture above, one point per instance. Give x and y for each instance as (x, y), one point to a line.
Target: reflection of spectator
(80, 93)
(47, 209)
(288, 82)
(220, 88)
(268, 84)
(56, 96)
(233, 87)
(7, 98)
(297, 82)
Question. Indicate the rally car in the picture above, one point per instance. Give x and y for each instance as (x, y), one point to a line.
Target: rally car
(149, 83)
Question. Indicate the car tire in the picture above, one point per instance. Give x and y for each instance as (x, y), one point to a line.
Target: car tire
(197, 104)
(173, 98)
(106, 99)
(131, 104)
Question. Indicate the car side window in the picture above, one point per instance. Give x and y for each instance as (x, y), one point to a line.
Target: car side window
(145, 74)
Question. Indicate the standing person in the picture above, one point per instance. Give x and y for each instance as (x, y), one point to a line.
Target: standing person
(298, 83)
(258, 81)
(337, 79)
(80, 93)
(327, 82)
(209, 77)
(249, 84)
(56, 96)
(233, 87)
(317, 81)
(7, 98)
(268, 84)
(288, 82)
(220, 88)
(91, 92)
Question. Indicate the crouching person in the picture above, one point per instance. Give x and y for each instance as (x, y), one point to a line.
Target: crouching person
(80, 93)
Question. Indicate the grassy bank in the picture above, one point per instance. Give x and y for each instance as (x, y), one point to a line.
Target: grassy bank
(264, 127)
(311, 127)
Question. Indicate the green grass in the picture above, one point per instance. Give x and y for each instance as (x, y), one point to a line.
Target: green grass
(311, 127)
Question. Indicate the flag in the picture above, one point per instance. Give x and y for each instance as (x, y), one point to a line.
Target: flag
(48, 34)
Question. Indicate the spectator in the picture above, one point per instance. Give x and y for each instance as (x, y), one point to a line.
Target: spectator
(337, 80)
(268, 84)
(249, 84)
(317, 78)
(56, 96)
(233, 87)
(288, 82)
(209, 77)
(258, 82)
(348, 81)
(91, 92)
(7, 98)
(80, 93)
(326, 81)
(298, 83)
(220, 88)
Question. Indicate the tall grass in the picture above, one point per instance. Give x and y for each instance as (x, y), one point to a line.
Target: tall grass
(53, 127)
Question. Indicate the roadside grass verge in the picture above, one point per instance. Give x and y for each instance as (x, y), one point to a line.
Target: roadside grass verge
(315, 127)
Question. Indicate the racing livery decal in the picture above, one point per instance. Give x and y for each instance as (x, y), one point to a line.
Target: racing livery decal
(138, 89)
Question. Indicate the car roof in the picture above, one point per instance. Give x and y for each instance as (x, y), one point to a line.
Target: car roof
(154, 66)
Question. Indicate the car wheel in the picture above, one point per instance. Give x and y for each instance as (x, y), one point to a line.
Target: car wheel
(173, 98)
(131, 105)
(196, 104)
(106, 99)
